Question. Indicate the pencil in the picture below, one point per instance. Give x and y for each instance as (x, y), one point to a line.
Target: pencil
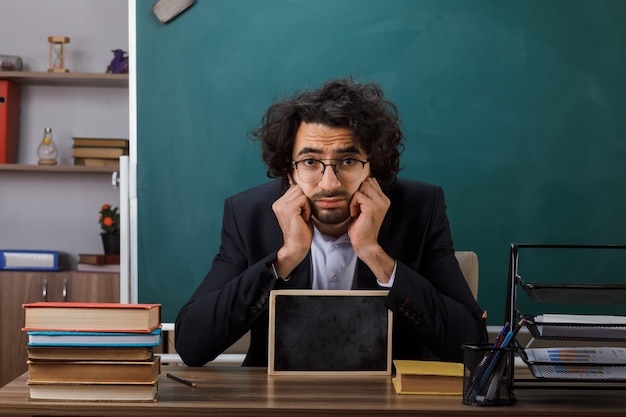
(481, 327)
(181, 380)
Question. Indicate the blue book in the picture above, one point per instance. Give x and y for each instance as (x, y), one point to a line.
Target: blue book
(60, 338)
(30, 260)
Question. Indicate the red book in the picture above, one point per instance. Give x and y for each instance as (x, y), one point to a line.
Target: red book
(92, 317)
(9, 121)
(98, 259)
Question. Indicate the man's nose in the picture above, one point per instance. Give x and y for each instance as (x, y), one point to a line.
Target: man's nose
(329, 178)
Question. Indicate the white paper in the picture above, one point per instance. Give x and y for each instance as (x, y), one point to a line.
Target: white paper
(580, 319)
(573, 363)
(602, 330)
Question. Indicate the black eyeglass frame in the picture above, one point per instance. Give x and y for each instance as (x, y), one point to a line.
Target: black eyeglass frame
(340, 160)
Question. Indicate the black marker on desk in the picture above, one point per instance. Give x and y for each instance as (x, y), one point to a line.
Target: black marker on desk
(181, 380)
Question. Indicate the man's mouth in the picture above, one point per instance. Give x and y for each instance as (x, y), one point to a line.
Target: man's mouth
(329, 203)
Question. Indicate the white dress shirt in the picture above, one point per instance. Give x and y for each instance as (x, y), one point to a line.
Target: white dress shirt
(333, 263)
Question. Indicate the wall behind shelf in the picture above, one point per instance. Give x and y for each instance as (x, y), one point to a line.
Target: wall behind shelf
(94, 27)
(53, 211)
(59, 211)
(70, 111)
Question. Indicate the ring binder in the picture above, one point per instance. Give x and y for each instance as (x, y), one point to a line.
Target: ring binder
(9, 121)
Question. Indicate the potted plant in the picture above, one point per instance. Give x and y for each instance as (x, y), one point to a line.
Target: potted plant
(110, 229)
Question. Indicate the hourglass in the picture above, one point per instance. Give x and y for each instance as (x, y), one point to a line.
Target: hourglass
(57, 53)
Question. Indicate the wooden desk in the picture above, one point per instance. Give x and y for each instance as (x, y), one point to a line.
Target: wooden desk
(237, 391)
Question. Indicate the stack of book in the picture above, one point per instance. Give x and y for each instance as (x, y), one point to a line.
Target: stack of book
(96, 262)
(98, 151)
(93, 351)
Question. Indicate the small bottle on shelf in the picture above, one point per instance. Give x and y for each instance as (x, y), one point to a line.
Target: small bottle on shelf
(47, 150)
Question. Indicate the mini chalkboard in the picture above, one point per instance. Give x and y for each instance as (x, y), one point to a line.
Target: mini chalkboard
(328, 332)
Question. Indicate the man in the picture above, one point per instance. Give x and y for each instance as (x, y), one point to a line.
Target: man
(336, 218)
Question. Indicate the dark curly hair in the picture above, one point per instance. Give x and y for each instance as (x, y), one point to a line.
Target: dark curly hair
(343, 103)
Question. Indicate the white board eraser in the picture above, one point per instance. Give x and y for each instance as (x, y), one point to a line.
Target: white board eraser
(166, 10)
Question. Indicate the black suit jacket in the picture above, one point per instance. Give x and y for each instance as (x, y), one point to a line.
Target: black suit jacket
(434, 310)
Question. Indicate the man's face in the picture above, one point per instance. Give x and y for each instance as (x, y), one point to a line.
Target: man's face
(329, 197)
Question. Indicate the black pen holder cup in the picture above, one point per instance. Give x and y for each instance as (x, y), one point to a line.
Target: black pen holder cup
(488, 375)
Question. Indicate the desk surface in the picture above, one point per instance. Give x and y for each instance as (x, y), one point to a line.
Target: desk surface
(233, 390)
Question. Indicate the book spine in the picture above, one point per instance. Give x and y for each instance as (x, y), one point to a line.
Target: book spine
(100, 142)
(96, 162)
(85, 152)
(94, 339)
(86, 267)
(96, 259)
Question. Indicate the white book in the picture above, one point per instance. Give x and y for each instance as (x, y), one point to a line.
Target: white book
(98, 268)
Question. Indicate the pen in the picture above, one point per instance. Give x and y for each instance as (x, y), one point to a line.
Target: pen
(480, 369)
(495, 379)
(502, 335)
(487, 358)
(492, 364)
(181, 380)
(512, 333)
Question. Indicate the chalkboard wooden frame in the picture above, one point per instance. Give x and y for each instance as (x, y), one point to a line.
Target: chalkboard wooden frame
(317, 332)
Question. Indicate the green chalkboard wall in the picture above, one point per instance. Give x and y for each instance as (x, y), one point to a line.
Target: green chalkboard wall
(517, 108)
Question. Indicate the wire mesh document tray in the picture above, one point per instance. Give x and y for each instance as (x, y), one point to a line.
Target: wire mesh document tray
(590, 294)
(584, 359)
(615, 332)
(568, 364)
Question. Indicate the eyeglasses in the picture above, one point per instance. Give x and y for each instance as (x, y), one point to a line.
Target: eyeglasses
(312, 170)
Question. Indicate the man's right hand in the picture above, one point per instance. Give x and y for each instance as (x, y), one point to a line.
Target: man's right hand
(293, 212)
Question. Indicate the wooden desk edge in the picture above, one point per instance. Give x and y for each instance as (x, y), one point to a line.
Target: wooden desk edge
(232, 390)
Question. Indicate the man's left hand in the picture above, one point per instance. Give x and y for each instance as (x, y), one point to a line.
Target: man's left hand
(368, 207)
